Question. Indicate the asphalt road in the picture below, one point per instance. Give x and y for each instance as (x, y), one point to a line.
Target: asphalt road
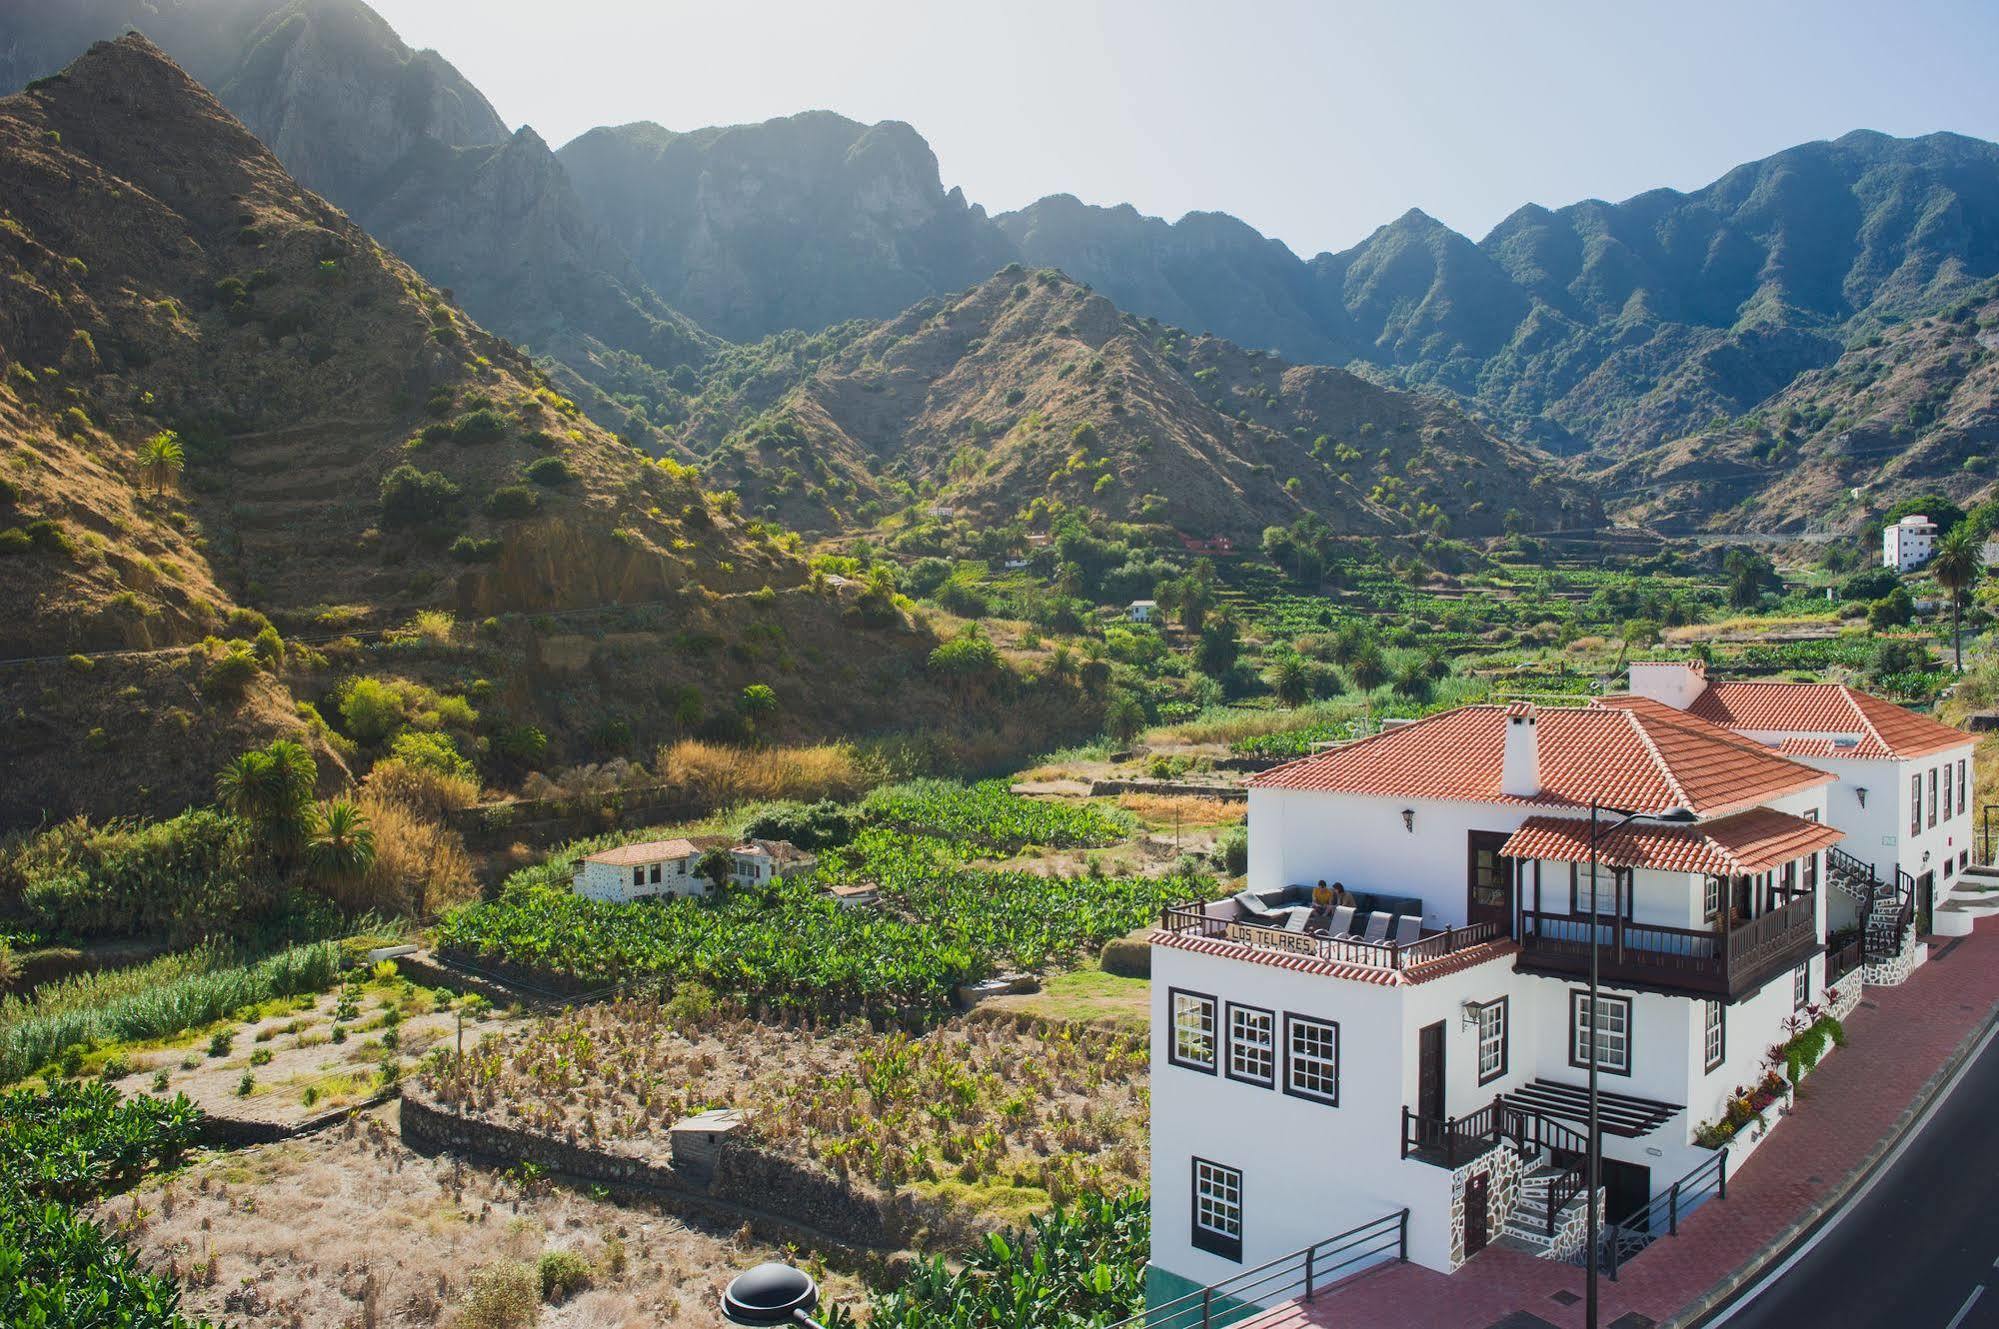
(1920, 1249)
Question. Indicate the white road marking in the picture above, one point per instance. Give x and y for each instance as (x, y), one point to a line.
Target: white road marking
(1965, 1309)
(1847, 1206)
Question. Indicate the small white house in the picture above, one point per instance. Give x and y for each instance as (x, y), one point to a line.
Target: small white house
(1909, 543)
(635, 871)
(760, 860)
(1142, 611)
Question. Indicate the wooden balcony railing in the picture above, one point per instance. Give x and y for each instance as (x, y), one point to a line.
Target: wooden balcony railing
(1724, 962)
(1343, 950)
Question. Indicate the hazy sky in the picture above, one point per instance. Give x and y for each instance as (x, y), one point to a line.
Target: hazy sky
(1313, 122)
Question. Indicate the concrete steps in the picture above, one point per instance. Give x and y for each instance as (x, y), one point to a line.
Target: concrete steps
(1526, 1225)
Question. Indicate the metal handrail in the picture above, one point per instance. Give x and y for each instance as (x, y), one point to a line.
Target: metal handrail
(1268, 1284)
(1625, 1238)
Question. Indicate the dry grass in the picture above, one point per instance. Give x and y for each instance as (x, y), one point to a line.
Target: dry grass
(420, 788)
(1184, 810)
(420, 868)
(350, 1228)
(717, 775)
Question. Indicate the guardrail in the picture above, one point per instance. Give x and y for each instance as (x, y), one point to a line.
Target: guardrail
(1343, 950)
(1624, 1239)
(1295, 1277)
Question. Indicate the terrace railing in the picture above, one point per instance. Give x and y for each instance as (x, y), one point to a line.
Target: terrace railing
(1196, 920)
(1718, 962)
(1298, 1276)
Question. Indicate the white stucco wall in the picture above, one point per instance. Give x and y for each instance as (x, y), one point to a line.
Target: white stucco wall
(1297, 837)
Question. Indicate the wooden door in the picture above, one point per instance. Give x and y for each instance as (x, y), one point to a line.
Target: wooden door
(1478, 1203)
(1488, 881)
(1430, 1071)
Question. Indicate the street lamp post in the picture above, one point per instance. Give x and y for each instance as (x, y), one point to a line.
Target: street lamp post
(1594, 1144)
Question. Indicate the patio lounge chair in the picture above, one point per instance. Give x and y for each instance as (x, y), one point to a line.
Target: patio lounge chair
(1377, 928)
(1408, 928)
(1301, 914)
(1255, 910)
(1342, 922)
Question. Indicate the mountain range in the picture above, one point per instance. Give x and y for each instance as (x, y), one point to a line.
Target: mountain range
(354, 455)
(632, 258)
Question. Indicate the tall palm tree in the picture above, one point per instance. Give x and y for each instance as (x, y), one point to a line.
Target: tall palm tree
(1956, 565)
(161, 459)
(342, 846)
(271, 788)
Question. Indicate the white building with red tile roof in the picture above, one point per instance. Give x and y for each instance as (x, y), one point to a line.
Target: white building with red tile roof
(1904, 792)
(1393, 1013)
(642, 869)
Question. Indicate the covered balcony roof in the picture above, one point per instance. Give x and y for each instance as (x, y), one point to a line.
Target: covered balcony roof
(1740, 845)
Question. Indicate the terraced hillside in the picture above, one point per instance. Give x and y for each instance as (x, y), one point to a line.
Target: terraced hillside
(351, 451)
(1030, 392)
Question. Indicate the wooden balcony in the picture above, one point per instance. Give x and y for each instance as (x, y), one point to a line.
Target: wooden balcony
(1728, 963)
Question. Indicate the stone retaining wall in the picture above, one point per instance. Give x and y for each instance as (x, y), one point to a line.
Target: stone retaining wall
(785, 1199)
(430, 970)
(1228, 793)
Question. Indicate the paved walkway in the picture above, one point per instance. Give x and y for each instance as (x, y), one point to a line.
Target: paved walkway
(1899, 1037)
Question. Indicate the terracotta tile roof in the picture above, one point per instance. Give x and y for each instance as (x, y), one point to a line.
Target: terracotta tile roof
(1748, 842)
(1650, 758)
(646, 851)
(1312, 964)
(1882, 728)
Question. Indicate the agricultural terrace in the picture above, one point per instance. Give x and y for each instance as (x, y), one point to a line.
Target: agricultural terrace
(941, 921)
(987, 1118)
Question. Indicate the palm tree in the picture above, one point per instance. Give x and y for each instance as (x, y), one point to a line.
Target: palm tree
(342, 846)
(1956, 565)
(161, 459)
(1291, 681)
(271, 788)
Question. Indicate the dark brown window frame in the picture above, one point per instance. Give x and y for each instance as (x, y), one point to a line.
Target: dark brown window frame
(1289, 1086)
(1623, 876)
(1173, 1057)
(1630, 1029)
(1505, 1040)
(1227, 1037)
(1206, 1239)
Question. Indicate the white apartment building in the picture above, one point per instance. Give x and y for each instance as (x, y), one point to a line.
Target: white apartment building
(1909, 543)
(1394, 1013)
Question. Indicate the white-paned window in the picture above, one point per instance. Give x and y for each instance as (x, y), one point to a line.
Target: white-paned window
(1612, 1032)
(1312, 1058)
(1217, 1209)
(1252, 1045)
(1193, 1031)
(1492, 1020)
(1714, 1037)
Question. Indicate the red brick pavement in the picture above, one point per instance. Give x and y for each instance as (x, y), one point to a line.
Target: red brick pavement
(1899, 1037)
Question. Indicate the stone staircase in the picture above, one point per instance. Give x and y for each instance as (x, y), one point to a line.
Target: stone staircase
(1974, 896)
(1526, 1227)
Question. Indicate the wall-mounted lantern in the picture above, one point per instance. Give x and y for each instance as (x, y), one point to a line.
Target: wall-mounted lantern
(1409, 820)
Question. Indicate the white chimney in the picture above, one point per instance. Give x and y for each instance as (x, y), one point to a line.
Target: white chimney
(1677, 683)
(1520, 768)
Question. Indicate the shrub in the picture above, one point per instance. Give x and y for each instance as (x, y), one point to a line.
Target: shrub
(563, 1273)
(411, 497)
(808, 825)
(472, 549)
(371, 709)
(484, 425)
(14, 540)
(549, 471)
(715, 775)
(420, 866)
(504, 1296)
(228, 674)
(431, 752)
(1232, 851)
(49, 536)
(512, 501)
